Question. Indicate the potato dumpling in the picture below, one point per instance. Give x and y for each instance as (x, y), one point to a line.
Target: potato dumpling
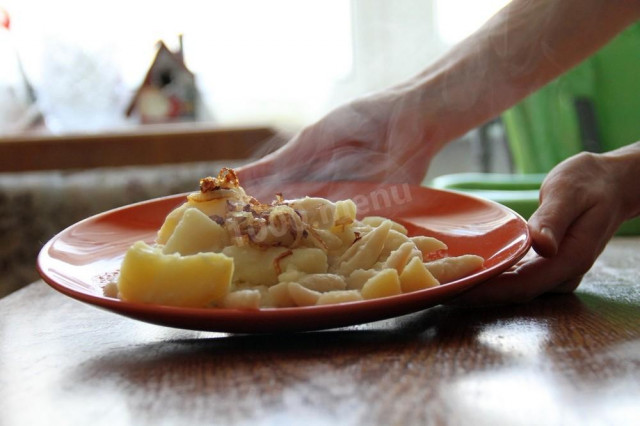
(323, 282)
(364, 253)
(450, 269)
(318, 212)
(278, 296)
(394, 240)
(375, 221)
(242, 299)
(307, 260)
(255, 265)
(149, 276)
(399, 258)
(303, 296)
(428, 245)
(345, 212)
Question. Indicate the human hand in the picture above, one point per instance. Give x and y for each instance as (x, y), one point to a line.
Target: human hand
(583, 201)
(376, 138)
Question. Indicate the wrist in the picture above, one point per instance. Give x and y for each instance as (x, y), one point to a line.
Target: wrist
(424, 104)
(625, 165)
(409, 115)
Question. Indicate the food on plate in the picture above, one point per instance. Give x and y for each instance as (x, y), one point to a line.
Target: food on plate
(223, 248)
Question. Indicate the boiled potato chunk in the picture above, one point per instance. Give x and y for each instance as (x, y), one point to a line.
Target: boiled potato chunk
(384, 283)
(196, 233)
(415, 276)
(170, 223)
(149, 276)
(217, 207)
(214, 207)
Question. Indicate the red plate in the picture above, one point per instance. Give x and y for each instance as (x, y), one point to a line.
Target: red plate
(80, 260)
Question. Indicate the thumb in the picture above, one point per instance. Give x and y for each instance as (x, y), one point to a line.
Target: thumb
(560, 207)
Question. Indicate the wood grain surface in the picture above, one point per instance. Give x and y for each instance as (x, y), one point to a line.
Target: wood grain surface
(558, 360)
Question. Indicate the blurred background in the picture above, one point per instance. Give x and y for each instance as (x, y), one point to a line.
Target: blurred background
(283, 63)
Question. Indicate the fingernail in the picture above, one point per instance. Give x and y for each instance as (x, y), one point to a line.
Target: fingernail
(547, 232)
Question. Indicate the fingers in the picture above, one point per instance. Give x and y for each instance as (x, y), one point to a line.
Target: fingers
(257, 170)
(583, 182)
(583, 241)
(285, 164)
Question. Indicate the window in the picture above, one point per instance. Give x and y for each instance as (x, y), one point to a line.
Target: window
(280, 62)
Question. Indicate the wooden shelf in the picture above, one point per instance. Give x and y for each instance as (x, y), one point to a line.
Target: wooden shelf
(143, 146)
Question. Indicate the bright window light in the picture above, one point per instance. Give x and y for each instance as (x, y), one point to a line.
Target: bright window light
(457, 19)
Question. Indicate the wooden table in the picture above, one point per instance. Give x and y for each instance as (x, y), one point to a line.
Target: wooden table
(564, 359)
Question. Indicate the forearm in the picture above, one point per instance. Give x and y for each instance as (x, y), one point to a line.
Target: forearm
(521, 48)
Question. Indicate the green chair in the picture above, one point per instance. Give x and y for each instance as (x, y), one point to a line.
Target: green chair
(593, 107)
